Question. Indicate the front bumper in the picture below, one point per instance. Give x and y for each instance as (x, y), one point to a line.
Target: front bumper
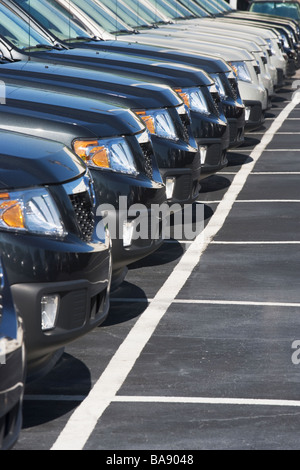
(11, 398)
(12, 380)
(125, 196)
(292, 62)
(253, 92)
(78, 272)
(255, 115)
(180, 162)
(280, 78)
(213, 133)
(235, 116)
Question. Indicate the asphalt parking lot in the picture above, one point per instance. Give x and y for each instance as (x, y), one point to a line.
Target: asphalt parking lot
(200, 349)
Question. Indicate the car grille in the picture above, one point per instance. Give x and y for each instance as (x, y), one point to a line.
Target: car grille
(233, 87)
(216, 101)
(185, 123)
(148, 153)
(84, 214)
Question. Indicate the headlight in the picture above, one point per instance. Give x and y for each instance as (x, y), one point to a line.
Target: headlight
(31, 210)
(158, 122)
(194, 99)
(219, 85)
(113, 154)
(241, 71)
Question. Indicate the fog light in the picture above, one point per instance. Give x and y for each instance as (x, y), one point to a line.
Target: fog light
(170, 186)
(128, 228)
(203, 153)
(49, 310)
(247, 113)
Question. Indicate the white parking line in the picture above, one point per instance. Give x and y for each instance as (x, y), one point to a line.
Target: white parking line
(263, 201)
(266, 150)
(180, 400)
(84, 419)
(208, 401)
(214, 302)
(208, 301)
(264, 173)
(256, 243)
(237, 302)
(278, 133)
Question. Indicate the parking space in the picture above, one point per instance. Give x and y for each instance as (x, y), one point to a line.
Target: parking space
(197, 350)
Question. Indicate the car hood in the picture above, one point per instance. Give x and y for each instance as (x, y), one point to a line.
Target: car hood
(27, 161)
(172, 74)
(207, 37)
(229, 53)
(68, 115)
(112, 88)
(255, 41)
(209, 64)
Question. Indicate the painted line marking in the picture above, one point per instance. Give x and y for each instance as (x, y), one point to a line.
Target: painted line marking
(214, 302)
(256, 243)
(237, 302)
(85, 417)
(267, 150)
(264, 173)
(208, 401)
(262, 201)
(275, 173)
(178, 400)
(208, 202)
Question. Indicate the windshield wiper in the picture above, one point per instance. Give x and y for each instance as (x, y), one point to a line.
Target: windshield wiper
(79, 38)
(48, 47)
(38, 46)
(126, 31)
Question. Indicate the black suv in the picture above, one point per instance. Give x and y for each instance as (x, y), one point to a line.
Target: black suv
(58, 261)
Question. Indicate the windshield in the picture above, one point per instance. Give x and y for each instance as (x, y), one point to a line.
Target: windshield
(50, 16)
(287, 10)
(214, 7)
(222, 5)
(172, 8)
(127, 15)
(20, 33)
(146, 13)
(194, 8)
(108, 21)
